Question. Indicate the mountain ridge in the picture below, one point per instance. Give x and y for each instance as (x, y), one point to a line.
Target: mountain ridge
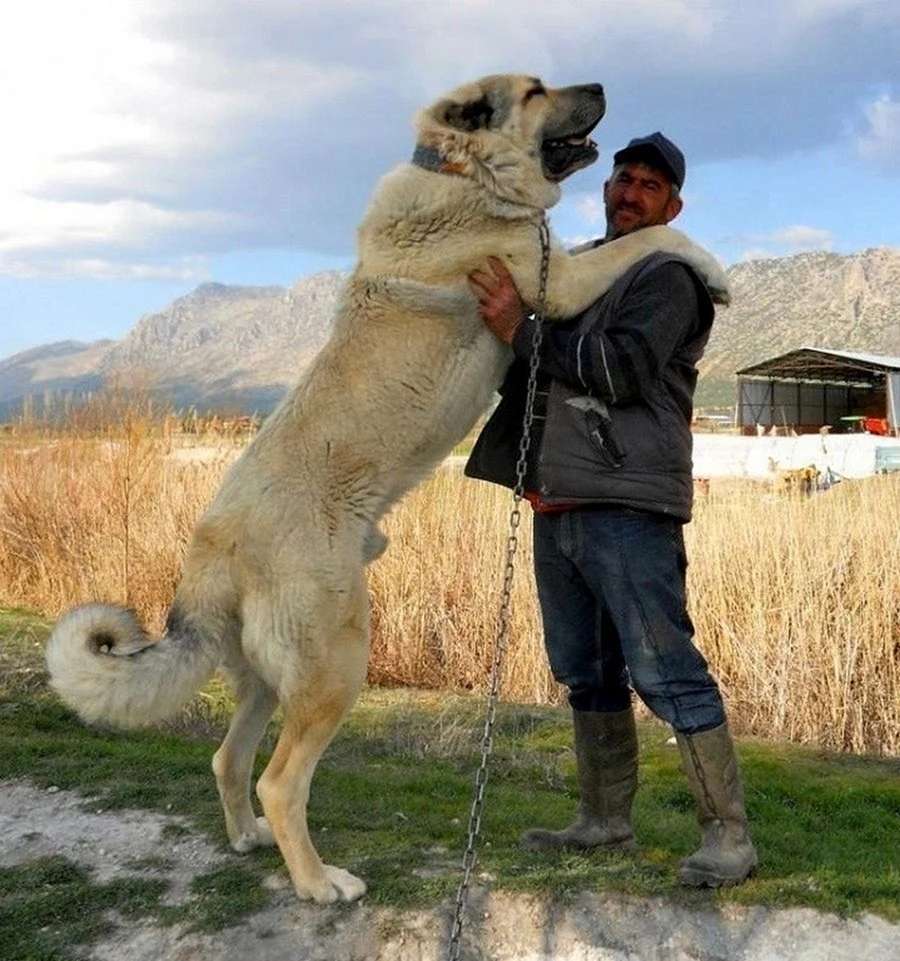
(239, 348)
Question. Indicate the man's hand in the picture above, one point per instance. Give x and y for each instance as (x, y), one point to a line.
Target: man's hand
(499, 303)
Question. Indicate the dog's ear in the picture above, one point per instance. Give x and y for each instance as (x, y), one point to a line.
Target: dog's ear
(475, 115)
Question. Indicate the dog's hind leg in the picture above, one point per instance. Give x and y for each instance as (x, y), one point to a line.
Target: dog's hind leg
(233, 762)
(313, 712)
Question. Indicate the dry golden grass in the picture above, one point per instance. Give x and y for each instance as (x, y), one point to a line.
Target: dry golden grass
(437, 592)
(795, 600)
(101, 517)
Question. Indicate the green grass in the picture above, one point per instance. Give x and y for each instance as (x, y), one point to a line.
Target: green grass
(391, 799)
(51, 906)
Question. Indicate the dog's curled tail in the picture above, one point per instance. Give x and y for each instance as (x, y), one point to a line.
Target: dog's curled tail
(104, 666)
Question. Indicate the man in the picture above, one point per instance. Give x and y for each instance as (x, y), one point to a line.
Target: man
(609, 477)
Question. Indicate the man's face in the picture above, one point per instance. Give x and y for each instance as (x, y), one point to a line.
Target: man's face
(638, 196)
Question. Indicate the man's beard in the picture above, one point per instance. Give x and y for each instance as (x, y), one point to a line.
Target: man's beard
(613, 232)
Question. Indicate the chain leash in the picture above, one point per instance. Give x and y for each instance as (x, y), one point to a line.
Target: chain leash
(512, 543)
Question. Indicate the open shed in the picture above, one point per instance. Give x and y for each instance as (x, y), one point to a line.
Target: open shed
(811, 388)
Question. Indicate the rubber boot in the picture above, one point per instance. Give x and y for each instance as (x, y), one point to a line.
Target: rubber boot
(606, 752)
(727, 855)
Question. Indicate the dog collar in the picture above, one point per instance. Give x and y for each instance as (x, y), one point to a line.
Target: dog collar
(430, 158)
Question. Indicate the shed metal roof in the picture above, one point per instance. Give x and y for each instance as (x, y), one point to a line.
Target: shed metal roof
(819, 364)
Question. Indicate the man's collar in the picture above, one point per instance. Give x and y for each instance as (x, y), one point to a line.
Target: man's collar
(430, 158)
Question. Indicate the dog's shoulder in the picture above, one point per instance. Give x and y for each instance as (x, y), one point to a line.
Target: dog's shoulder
(408, 192)
(413, 210)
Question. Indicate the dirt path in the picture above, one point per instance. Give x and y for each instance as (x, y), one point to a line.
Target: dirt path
(36, 823)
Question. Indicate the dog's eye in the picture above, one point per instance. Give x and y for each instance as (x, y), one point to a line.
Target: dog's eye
(538, 90)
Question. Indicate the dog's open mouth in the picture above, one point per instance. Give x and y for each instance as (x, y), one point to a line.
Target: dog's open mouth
(563, 156)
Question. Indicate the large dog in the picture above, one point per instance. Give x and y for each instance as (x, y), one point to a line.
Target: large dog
(273, 590)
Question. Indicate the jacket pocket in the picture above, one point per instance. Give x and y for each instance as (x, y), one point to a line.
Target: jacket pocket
(603, 437)
(599, 429)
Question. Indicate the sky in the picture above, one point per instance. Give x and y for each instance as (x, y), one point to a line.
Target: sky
(149, 146)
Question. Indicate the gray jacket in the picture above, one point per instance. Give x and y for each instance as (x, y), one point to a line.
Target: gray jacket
(615, 397)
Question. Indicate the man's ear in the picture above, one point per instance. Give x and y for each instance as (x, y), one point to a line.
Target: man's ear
(475, 115)
(673, 208)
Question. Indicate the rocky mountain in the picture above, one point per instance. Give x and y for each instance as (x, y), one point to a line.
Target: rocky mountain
(67, 367)
(235, 348)
(239, 348)
(845, 302)
(223, 348)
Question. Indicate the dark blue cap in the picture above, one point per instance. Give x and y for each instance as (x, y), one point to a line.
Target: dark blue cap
(655, 150)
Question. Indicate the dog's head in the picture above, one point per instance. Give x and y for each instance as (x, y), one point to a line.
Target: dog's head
(515, 134)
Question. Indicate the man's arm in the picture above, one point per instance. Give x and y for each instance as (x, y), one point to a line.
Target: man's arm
(622, 362)
(619, 364)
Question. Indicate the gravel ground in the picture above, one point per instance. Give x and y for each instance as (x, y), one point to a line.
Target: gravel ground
(37, 823)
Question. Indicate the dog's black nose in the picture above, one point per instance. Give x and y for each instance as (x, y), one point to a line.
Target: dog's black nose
(595, 88)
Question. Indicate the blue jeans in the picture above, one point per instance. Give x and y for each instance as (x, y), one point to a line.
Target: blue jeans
(611, 584)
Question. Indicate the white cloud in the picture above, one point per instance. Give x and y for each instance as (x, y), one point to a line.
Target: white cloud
(46, 265)
(785, 241)
(194, 269)
(64, 68)
(160, 129)
(43, 231)
(758, 253)
(801, 238)
(881, 143)
(590, 208)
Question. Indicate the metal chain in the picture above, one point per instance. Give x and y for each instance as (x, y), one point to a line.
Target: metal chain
(512, 543)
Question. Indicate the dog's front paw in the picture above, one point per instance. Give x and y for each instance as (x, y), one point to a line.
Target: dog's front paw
(710, 270)
(720, 295)
(348, 886)
(335, 884)
(713, 274)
